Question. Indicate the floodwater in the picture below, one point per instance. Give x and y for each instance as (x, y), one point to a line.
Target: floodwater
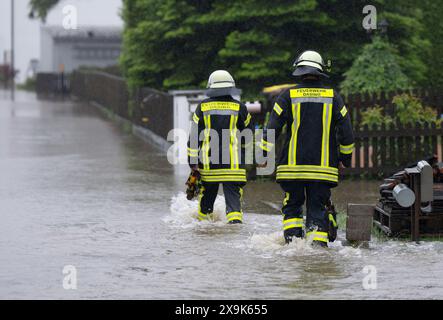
(76, 189)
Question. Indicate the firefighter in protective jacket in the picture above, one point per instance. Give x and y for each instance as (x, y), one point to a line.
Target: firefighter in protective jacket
(214, 147)
(319, 138)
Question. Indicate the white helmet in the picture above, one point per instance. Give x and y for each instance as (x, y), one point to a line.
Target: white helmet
(221, 79)
(310, 59)
(310, 63)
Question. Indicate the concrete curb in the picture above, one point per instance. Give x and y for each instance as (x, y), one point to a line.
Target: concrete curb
(143, 133)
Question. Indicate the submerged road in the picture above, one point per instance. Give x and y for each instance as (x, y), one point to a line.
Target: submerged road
(78, 190)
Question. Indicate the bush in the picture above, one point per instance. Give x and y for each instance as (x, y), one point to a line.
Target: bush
(374, 117)
(375, 70)
(408, 110)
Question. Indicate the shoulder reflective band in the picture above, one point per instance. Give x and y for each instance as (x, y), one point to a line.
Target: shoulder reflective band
(278, 110)
(292, 155)
(312, 93)
(327, 117)
(196, 118)
(248, 120)
(233, 146)
(344, 111)
(292, 223)
(347, 149)
(318, 236)
(220, 105)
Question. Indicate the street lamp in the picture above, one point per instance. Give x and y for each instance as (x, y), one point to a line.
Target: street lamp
(12, 53)
(383, 25)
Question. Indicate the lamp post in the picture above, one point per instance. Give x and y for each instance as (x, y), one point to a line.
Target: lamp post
(383, 25)
(12, 53)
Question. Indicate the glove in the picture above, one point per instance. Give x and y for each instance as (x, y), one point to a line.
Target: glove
(346, 160)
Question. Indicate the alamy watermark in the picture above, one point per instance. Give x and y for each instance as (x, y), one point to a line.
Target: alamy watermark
(243, 147)
(70, 17)
(369, 281)
(370, 20)
(69, 277)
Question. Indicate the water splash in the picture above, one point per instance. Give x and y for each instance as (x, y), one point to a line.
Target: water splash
(274, 244)
(184, 213)
(271, 244)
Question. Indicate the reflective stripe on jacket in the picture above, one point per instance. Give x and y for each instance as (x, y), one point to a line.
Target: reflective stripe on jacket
(222, 119)
(319, 133)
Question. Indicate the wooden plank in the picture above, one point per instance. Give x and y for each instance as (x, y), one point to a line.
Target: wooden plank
(375, 154)
(383, 146)
(393, 149)
(359, 222)
(415, 209)
(366, 149)
(427, 143)
(418, 149)
(357, 150)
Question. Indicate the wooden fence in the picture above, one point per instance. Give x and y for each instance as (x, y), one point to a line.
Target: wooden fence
(148, 108)
(385, 149)
(379, 150)
(359, 103)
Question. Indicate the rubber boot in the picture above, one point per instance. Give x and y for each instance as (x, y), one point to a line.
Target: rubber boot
(319, 244)
(293, 233)
(235, 222)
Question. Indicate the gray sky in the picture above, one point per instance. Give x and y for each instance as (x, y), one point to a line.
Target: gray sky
(27, 33)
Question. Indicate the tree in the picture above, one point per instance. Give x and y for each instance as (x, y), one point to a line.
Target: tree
(405, 33)
(177, 43)
(40, 8)
(375, 70)
(433, 31)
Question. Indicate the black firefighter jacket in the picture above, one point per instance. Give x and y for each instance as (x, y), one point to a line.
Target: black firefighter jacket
(319, 133)
(214, 142)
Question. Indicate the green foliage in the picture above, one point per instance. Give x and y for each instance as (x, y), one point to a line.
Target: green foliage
(28, 85)
(40, 8)
(406, 34)
(433, 31)
(409, 110)
(374, 117)
(375, 70)
(175, 44)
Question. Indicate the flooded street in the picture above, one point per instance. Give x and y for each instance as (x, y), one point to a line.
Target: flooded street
(77, 189)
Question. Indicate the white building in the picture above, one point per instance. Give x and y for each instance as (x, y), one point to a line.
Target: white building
(68, 50)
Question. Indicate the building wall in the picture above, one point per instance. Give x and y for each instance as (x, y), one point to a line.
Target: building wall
(73, 53)
(46, 52)
(77, 54)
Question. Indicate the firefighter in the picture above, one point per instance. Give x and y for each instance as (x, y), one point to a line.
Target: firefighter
(319, 139)
(214, 147)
